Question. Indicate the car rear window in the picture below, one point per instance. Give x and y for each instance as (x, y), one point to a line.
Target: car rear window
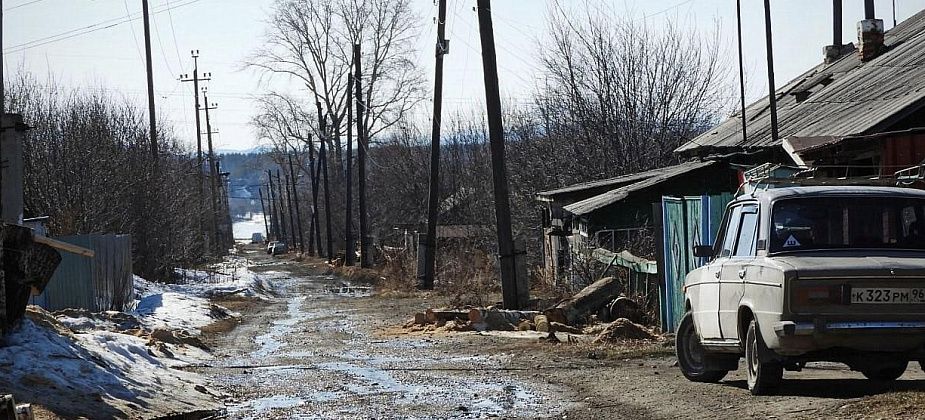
(847, 222)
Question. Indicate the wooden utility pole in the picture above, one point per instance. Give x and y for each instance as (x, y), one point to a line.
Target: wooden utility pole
(213, 176)
(509, 281)
(323, 161)
(315, 234)
(772, 94)
(152, 120)
(741, 70)
(429, 245)
(298, 212)
(263, 209)
(284, 208)
(196, 79)
(274, 208)
(350, 251)
(362, 146)
(291, 212)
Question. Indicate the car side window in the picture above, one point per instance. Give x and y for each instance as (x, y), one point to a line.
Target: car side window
(732, 229)
(748, 232)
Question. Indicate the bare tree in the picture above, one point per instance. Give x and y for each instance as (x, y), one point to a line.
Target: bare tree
(311, 42)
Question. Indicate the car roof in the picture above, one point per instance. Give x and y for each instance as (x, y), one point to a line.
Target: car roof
(773, 194)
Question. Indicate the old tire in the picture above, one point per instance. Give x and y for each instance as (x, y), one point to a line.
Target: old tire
(888, 373)
(764, 377)
(691, 354)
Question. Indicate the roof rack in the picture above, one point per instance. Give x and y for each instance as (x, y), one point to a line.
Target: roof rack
(767, 175)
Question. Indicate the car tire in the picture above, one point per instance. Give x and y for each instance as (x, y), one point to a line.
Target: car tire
(691, 354)
(763, 377)
(886, 374)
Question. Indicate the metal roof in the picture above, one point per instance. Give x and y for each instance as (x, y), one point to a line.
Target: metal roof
(609, 182)
(659, 176)
(845, 98)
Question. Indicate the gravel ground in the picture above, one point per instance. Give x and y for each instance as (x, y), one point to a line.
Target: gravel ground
(325, 349)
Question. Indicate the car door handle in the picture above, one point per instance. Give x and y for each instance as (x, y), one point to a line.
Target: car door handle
(742, 273)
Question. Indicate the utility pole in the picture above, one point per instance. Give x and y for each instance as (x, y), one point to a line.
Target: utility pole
(429, 246)
(509, 281)
(323, 160)
(152, 120)
(196, 79)
(291, 212)
(772, 94)
(350, 252)
(213, 176)
(315, 234)
(273, 206)
(263, 209)
(284, 208)
(362, 144)
(741, 70)
(298, 213)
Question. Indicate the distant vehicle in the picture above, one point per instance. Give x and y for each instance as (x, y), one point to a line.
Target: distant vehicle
(277, 248)
(257, 238)
(804, 274)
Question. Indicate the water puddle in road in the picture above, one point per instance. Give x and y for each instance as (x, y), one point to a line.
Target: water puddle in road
(272, 341)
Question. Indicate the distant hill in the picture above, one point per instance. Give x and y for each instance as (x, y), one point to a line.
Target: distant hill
(247, 174)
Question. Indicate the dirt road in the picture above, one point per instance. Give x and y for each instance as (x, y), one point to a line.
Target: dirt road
(324, 349)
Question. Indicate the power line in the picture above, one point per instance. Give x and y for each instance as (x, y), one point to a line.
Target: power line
(106, 24)
(22, 5)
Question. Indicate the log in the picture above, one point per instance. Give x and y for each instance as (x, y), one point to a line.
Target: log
(499, 319)
(64, 246)
(588, 300)
(445, 315)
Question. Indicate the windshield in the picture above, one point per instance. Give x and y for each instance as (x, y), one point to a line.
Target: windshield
(839, 222)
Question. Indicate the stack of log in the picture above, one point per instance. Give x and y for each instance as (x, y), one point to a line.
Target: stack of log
(602, 298)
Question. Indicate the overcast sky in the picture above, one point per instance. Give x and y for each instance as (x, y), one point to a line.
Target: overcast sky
(99, 44)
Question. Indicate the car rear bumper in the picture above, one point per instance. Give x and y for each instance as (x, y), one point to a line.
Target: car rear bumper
(791, 328)
(796, 337)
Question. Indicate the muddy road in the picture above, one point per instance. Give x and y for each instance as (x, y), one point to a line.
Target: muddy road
(325, 349)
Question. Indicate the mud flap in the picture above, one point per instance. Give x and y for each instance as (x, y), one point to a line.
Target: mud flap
(721, 362)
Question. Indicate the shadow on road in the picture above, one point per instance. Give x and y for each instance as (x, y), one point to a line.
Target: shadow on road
(837, 388)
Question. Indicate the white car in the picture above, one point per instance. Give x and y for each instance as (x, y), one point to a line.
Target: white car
(804, 274)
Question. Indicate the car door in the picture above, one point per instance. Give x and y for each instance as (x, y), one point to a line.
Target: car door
(736, 269)
(707, 307)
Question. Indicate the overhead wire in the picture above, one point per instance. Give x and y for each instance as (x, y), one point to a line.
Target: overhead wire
(72, 33)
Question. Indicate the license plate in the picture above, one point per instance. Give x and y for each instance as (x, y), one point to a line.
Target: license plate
(887, 295)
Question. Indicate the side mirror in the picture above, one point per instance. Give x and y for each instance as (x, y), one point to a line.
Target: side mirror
(703, 251)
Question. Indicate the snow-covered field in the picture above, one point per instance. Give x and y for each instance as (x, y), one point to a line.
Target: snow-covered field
(243, 229)
(105, 365)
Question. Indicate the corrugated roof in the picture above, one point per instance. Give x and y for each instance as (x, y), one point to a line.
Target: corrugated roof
(847, 97)
(609, 182)
(660, 175)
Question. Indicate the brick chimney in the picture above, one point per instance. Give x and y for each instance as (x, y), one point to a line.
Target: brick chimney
(870, 33)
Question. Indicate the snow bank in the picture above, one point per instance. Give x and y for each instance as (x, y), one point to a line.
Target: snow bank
(186, 306)
(95, 374)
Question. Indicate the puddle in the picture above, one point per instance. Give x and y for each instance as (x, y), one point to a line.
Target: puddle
(272, 341)
(351, 291)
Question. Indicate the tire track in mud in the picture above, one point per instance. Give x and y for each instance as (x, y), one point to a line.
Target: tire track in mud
(311, 353)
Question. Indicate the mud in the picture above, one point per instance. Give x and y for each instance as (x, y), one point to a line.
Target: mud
(325, 348)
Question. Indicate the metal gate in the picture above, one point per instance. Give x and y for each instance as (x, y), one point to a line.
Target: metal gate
(687, 221)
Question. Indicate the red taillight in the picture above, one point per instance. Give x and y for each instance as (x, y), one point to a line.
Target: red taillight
(818, 295)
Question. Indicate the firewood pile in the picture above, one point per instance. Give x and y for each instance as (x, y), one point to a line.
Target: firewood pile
(600, 300)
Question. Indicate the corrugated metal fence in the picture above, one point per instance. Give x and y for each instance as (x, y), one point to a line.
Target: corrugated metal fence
(101, 283)
(687, 221)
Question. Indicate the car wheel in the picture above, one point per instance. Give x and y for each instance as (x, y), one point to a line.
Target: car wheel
(889, 373)
(763, 377)
(691, 354)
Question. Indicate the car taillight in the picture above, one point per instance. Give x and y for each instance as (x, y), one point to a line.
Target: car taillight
(819, 295)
